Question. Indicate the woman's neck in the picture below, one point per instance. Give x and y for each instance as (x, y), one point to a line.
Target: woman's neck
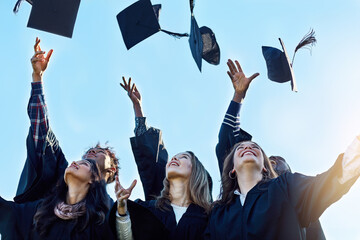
(76, 193)
(247, 179)
(179, 192)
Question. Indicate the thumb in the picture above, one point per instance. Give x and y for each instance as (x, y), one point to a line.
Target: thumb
(252, 77)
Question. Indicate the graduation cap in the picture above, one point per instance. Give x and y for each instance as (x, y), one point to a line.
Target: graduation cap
(278, 63)
(54, 16)
(202, 42)
(140, 21)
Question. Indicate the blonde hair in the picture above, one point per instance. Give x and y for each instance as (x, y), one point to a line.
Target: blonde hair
(199, 187)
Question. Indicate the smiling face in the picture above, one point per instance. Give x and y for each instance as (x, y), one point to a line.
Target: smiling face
(179, 166)
(80, 170)
(248, 154)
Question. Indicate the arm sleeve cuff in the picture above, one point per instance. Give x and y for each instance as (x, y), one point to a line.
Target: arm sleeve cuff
(351, 161)
(123, 227)
(140, 126)
(37, 88)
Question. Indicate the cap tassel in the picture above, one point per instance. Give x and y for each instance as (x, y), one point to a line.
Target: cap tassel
(17, 6)
(176, 35)
(18, 3)
(307, 42)
(192, 5)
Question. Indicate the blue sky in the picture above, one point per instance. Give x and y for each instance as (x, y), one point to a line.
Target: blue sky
(86, 104)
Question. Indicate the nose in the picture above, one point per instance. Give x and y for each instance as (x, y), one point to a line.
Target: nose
(92, 151)
(174, 158)
(247, 147)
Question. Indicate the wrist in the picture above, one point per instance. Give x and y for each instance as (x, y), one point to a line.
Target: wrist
(122, 211)
(37, 77)
(239, 97)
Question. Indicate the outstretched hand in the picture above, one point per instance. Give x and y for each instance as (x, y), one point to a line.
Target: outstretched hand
(39, 62)
(134, 96)
(240, 82)
(122, 195)
(132, 91)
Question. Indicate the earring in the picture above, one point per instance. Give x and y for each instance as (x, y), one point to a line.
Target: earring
(231, 173)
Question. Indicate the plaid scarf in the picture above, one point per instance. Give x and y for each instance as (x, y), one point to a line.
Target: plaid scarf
(68, 212)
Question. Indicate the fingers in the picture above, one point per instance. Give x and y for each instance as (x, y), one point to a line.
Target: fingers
(117, 184)
(37, 41)
(123, 85)
(133, 184)
(253, 76)
(238, 66)
(231, 66)
(230, 75)
(48, 56)
(129, 84)
(36, 59)
(132, 89)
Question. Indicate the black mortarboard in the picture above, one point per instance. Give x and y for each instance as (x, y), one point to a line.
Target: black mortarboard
(54, 16)
(278, 62)
(139, 21)
(202, 42)
(196, 42)
(278, 65)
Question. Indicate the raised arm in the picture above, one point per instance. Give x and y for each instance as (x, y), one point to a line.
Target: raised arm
(230, 131)
(123, 223)
(312, 195)
(45, 161)
(147, 146)
(37, 110)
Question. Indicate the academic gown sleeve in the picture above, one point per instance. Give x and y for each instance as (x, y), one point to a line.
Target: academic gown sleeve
(40, 174)
(312, 195)
(144, 224)
(16, 219)
(230, 133)
(151, 157)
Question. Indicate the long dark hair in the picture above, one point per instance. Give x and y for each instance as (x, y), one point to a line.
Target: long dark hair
(229, 185)
(199, 187)
(96, 203)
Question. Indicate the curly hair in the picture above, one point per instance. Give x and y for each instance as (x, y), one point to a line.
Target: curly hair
(114, 161)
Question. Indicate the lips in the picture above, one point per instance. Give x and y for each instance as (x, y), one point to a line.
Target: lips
(174, 163)
(248, 152)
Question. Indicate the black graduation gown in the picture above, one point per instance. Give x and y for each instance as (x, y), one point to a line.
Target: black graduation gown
(151, 157)
(279, 209)
(40, 174)
(20, 218)
(226, 141)
(149, 222)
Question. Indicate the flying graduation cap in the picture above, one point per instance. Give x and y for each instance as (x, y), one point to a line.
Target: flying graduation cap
(140, 21)
(53, 16)
(202, 42)
(278, 64)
